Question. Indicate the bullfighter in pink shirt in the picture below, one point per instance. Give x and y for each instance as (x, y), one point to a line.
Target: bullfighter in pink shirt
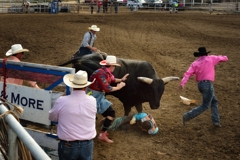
(203, 68)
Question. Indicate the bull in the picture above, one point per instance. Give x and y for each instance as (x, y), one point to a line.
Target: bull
(142, 84)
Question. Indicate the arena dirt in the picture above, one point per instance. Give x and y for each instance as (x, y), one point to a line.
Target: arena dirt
(168, 42)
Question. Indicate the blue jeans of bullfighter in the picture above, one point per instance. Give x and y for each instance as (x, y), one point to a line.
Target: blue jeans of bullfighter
(209, 100)
(75, 150)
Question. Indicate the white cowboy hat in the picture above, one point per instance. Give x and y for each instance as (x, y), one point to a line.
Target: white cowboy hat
(94, 28)
(110, 60)
(16, 48)
(187, 101)
(77, 80)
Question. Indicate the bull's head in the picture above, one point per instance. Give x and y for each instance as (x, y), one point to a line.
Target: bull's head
(156, 89)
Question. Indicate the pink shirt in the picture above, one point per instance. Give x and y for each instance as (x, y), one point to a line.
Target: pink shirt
(76, 116)
(203, 68)
(15, 80)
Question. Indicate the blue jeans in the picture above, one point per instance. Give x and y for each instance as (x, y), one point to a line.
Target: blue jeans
(209, 100)
(81, 150)
(84, 51)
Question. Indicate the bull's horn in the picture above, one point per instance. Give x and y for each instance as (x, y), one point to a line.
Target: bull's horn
(145, 79)
(167, 79)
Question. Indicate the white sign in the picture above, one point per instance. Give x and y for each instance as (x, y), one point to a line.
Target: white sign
(35, 102)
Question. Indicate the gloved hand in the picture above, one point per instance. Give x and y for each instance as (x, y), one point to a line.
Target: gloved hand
(133, 120)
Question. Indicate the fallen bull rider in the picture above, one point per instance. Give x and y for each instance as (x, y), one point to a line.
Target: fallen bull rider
(143, 120)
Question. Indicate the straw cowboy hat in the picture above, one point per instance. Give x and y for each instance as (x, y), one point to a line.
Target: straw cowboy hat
(187, 101)
(110, 61)
(77, 80)
(16, 48)
(201, 52)
(94, 28)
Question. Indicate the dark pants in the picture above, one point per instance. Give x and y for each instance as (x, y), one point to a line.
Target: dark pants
(75, 150)
(84, 51)
(92, 10)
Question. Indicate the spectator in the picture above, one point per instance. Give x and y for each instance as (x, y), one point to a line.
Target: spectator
(27, 5)
(87, 45)
(163, 5)
(91, 6)
(203, 68)
(104, 78)
(105, 6)
(116, 4)
(131, 5)
(99, 3)
(76, 117)
(15, 54)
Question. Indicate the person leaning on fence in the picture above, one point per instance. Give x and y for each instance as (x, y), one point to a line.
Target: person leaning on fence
(203, 68)
(76, 117)
(87, 45)
(104, 78)
(15, 54)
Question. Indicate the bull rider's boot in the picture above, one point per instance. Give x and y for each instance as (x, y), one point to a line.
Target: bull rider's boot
(103, 137)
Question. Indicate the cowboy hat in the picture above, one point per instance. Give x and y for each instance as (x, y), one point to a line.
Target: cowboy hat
(187, 101)
(201, 52)
(16, 48)
(94, 28)
(110, 61)
(77, 80)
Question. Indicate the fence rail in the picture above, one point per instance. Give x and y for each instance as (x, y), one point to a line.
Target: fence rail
(84, 7)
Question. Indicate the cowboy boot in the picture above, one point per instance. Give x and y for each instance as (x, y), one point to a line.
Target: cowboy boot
(103, 137)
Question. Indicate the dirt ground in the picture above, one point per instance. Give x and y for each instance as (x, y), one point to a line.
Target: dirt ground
(168, 42)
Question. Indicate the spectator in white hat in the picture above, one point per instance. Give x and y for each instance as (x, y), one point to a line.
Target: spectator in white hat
(15, 54)
(76, 117)
(87, 45)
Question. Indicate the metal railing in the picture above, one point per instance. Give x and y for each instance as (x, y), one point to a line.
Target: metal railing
(16, 130)
(85, 7)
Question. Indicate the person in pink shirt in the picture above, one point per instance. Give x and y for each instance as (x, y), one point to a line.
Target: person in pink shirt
(203, 68)
(76, 117)
(15, 54)
(99, 3)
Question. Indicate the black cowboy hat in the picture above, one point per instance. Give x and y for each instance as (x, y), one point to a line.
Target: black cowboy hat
(201, 52)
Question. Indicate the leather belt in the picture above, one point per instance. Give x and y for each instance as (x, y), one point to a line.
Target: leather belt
(76, 141)
(205, 81)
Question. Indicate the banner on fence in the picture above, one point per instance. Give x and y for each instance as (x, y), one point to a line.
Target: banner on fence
(36, 103)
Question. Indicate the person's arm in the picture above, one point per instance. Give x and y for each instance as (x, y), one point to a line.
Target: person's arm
(86, 38)
(33, 84)
(137, 117)
(94, 49)
(87, 44)
(189, 73)
(104, 84)
(118, 87)
(53, 113)
(218, 59)
(123, 79)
